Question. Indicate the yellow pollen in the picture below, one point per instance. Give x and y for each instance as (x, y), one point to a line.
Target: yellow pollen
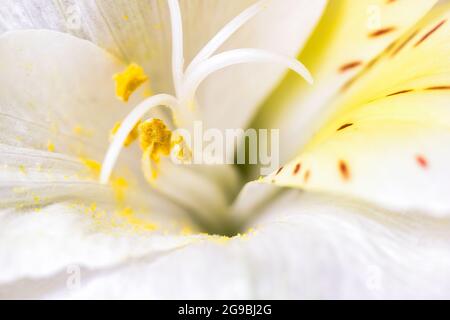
(156, 141)
(130, 218)
(22, 169)
(80, 131)
(129, 80)
(120, 186)
(94, 166)
(134, 134)
(50, 146)
(154, 134)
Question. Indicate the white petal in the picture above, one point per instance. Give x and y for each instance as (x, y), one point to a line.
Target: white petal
(304, 247)
(40, 243)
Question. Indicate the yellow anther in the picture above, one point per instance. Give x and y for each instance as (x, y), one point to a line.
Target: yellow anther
(134, 134)
(156, 140)
(129, 80)
(154, 135)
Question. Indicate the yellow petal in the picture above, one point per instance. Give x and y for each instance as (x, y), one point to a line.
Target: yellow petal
(387, 141)
(350, 35)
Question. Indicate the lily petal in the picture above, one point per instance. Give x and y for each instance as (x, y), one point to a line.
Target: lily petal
(304, 247)
(387, 141)
(350, 35)
(39, 244)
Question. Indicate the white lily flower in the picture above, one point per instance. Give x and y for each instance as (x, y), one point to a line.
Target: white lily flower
(79, 218)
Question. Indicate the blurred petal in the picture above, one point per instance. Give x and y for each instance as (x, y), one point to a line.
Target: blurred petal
(388, 140)
(306, 247)
(349, 36)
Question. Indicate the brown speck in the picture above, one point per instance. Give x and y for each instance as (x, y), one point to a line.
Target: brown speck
(429, 33)
(345, 126)
(349, 66)
(344, 170)
(399, 92)
(404, 43)
(438, 88)
(297, 168)
(381, 32)
(279, 171)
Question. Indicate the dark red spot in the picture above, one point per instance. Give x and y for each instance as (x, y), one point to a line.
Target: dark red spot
(399, 92)
(344, 170)
(429, 33)
(279, 171)
(422, 161)
(345, 126)
(297, 168)
(381, 32)
(349, 66)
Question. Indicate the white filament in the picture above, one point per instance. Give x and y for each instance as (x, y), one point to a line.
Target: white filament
(203, 65)
(239, 56)
(226, 32)
(128, 125)
(177, 43)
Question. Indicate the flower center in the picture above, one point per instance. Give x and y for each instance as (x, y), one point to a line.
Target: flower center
(154, 132)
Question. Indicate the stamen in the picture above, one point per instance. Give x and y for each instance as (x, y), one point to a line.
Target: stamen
(127, 126)
(238, 56)
(177, 44)
(226, 32)
(129, 80)
(201, 67)
(156, 141)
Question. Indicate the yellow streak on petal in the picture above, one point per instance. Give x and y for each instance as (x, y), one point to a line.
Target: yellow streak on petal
(129, 80)
(120, 186)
